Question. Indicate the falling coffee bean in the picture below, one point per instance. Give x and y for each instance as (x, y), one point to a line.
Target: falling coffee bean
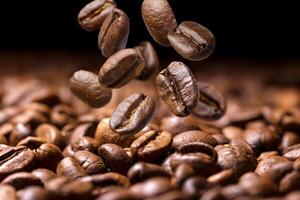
(85, 86)
(177, 87)
(132, 114)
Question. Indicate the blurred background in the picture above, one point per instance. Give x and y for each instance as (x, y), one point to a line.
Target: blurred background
(245, 29)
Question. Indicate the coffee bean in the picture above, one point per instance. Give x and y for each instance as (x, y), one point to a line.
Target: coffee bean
(172, 195)
(68, 151)
(237, 155)
(15, 159)
(274, 167)
(258, 186)
(61, 115)
(152, 187)
(233, 132)
(8, 192)
(50, 134)
(151, 60)
(132, 114)
(193, 136)
(176, 125)
(195, 186)
(44, 96)
(107, 179)
(35, 193)
(142, 171)
(85, 143)
(91, 163)
(289, 138)
(120, 194)
(20, 180)
(192, 41)
(267, 154)
(234, 191)
(19, 132)
(182, 173)
(104, 135)
(43, 174)
(31, 142)
(151, 146)
(85, 86)
(120, 68)
(70, 168)
(92, 15)
(292, 152)
(84, 129)
(177, 87)
(211, 104)
(159, 19)
(290, 182)
(115, 157)
(222, 178)
(114, 32)
(48, 156)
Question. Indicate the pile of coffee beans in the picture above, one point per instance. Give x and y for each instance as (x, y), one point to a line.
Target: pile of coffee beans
(177, 144)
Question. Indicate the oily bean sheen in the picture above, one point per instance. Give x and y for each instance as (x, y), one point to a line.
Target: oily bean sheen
(192, 41)
(132, 114)
(159, 19)
(120, 68)
(177, 87)
(114, 32)
(211, 103)
(151, 146)
(85, 86)
(92, 16)
(151, 60)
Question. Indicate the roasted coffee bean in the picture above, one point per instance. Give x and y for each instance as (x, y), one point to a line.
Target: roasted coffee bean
(19, 132)
(234, 191)
(289, 138)
(221, 139)
(151, 187)
(85, 86)
(44, 96)
(118, 194)
(151, 60)
(176, 125)
(222, 178)
(85, 143)
(85, 129)
(43, 174)
(29, 118)
(195, 147)
(211, 104)
(104, 135)
(267, 154)
(232, 132)
(193, 136)
(20, 180)
(70, 168)
(48, 156)
(69, 189)
(192, 41)
(261, 139)
(91, 163)
(31, 142)
(114, 33)
(256, 185)
(151, 146)
(132, 114)
(237, 155)
(61, 115)
(290, 182)
(177, 87)
(15, 159)
(50, 134)
(115, 157)
(292, 152)
(182, 173)
(172, 195)
(8, 192)
(195, 186)
(107, 179)
(35, 193)
(159, 19)
(120, 68)
(68, 151)
(274, 167)
(92, 15)
(142, 171)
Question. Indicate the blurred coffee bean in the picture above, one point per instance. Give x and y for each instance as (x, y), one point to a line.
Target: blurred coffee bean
(132, 114)
(290, 182)
(151, 146)
(289, 138)
(193, 136)
(222, 178)
(232, 132)
(43, 174)
(15, 159)
(211, 104)
(8, 192)
(120, 68)
(50, 134)
(91, 163)
(176, 125)
(115, 158)
(85, 143)
(93, 14)
(62, 115)
(121, 194)
(195, 186)
(107, 179)
(81, 130)
(151, 60)
(18, 132)
(213, 194)
(177, 87)
(234, 191)
(68, 151)
(159, 19)
(85, 86)
(44, 96)
(70, 167)
(48, 156)
(267, 154)
(104, 135)
(31, 142)
(142, 171)
(237, 155)
(256, 185)
(172, 195)
(35, 193)
(20, 180)
(114, 32)
(192, 41)
(292, 152)
(182, 173)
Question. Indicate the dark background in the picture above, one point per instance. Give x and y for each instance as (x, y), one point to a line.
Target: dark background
(245, 29)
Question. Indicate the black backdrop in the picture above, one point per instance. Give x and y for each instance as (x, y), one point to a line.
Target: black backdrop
(244, 28)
